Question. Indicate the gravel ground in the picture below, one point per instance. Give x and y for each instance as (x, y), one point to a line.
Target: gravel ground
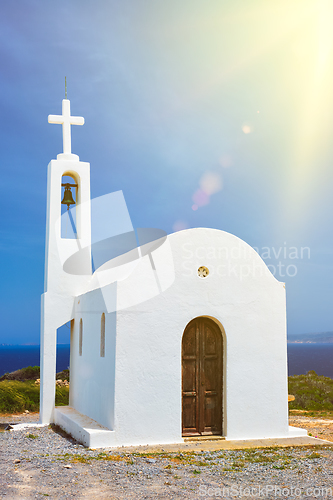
(43, 462)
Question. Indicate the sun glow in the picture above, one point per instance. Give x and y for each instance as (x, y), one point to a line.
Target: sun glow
(314, 127)
(300, 36)
(297, 38)
(259, 74)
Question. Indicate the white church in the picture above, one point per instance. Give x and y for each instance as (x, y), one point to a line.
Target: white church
(172, 336)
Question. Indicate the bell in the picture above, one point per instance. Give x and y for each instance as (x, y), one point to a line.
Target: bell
(68, 198)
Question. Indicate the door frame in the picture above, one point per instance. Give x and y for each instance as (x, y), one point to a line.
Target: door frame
(223, 373)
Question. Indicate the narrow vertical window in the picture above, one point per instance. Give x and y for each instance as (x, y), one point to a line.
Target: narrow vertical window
(80, 337)
(103, 336)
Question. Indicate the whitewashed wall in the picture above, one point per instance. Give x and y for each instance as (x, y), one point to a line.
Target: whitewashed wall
(143, 358)
(92, 376)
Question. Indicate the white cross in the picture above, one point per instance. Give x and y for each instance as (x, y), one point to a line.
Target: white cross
(66, 120)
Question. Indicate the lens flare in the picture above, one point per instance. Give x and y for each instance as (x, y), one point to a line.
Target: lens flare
(180, 225)
(200, 198)
(247, 129)
(226, 161)
(210, 183)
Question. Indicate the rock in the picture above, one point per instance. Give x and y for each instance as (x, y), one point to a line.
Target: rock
(16, 461)
(26, 411)
(67, 466)
(151, 460)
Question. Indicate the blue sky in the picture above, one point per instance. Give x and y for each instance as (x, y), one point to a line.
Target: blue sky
(174, 95)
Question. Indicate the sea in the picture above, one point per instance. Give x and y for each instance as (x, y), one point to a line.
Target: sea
(305, 357)
(301, 358)
(14, 357)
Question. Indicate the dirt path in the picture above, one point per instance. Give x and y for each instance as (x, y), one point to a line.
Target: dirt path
(316, 426)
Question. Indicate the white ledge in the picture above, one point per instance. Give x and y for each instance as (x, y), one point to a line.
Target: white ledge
(84, 429)
(68, 156)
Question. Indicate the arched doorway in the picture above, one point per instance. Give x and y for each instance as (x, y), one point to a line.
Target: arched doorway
(202, 349)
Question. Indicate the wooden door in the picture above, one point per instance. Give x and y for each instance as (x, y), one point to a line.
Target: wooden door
(202, 378)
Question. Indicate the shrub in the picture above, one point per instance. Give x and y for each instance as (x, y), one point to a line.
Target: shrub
(31, 373)
(62, 396)
(28, 373)
(64, 375)
(311, 391)
(17, 396)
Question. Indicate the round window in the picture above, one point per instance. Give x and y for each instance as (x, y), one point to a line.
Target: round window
(203, 272)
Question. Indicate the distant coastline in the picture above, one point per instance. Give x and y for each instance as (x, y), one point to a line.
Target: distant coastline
(28, 345)
(311, 338)
(310, 342)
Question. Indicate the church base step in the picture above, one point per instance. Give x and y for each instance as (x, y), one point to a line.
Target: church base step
(188, 439)
(82, 428)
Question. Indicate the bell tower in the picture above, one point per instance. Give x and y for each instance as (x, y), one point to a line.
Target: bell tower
(60, 287)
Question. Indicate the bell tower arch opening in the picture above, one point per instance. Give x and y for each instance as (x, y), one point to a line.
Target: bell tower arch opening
(69, 201)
